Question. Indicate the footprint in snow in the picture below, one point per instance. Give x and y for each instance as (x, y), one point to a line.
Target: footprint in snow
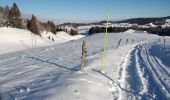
(22, 89)
(76, 92)
(67, 86)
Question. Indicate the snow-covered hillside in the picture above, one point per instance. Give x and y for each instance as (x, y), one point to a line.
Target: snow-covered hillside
(132, 71)
(13, 39)
(167, 23)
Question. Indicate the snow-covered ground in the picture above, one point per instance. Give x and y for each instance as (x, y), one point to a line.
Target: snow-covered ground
(13, 39)
(134, 70)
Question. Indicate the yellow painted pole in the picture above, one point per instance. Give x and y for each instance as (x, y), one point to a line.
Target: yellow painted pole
(105, 44)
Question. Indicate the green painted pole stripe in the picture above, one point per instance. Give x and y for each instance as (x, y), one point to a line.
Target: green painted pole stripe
(105, 43)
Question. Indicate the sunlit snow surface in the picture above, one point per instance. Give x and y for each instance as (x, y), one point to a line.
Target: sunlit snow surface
(133, 71)
(13, 39)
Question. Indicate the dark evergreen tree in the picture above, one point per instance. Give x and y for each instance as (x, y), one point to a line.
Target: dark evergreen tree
(14, 17)
(51, 27)
(15, 12)
(32, 25)
(5, 12)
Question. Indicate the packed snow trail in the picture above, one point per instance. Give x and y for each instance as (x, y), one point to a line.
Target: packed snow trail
(145, 77)
(47, 73)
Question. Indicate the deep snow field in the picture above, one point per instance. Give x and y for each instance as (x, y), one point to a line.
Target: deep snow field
(139, 70)
(13, 39)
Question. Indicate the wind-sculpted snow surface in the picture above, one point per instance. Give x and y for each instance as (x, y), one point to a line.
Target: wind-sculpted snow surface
(52, 73)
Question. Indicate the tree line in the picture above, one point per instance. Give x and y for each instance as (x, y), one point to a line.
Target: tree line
(12, 18)
(94, 30)
(156, 30)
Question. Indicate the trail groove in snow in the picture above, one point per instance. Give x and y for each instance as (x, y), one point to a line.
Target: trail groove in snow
(143, 76)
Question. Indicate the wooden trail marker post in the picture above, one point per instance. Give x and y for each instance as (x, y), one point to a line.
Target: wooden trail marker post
(84, 53)
(118, 43)
(127, 41)
(133, 41)
(32, 39)
(164, 41)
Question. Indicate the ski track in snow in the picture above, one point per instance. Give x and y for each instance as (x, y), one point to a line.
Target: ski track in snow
(144, 77)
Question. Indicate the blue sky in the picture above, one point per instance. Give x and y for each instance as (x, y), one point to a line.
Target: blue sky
(92, 9)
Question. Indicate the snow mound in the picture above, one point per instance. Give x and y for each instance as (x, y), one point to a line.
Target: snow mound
(134, 31)
(130, 31)
(152, 25)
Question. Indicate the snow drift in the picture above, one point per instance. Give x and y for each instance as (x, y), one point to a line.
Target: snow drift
(130, 31)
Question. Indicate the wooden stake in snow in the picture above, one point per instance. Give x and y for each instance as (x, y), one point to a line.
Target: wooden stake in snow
(118, 43)
(127, 41)
(84, 53)
(133, 41)
(32, 39)
(159, 40)
(35, 41)
(164, 41)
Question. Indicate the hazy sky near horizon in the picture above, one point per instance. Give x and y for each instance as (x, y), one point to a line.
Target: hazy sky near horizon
(92, 9)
